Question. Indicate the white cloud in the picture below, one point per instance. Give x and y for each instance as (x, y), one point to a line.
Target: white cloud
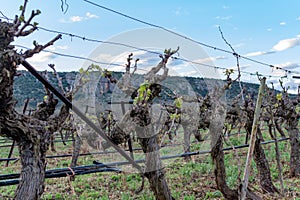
(242, 67)
(178, 11)
(289, 65)
(282, 23)
(287, 43)
(105, 57)
(280, 46)
(117, 68)
(292, 84)
(76, 19)
(258, 53)
(210, 59)
(189, 73)
(62, 47)
(89, 15)
(177, 68)
(269, 29)
(277, 73)
(51, 48)
(41, 57)
(298, 19)
(224, 17)
(238, 45)
(225, 7)
(146, 60)
(219, 58)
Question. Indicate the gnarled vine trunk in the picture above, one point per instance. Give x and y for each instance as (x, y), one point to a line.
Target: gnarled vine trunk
(33, 160)
(263, 168)
(216, 125)
(294, 134)
(262, 164)
(149, 142)
(215, 129)
(220, 172)
(76, 149)
(32, 133)
(154, 171)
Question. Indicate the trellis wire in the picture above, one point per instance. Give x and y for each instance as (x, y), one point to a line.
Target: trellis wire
(105, 167)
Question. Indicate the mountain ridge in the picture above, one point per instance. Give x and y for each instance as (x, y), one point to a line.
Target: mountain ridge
(27, 86)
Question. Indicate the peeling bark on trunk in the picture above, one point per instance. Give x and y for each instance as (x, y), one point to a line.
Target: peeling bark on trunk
(220, 172)
(293, 132)
(76, 149)
(215, 129)
(154, 171)
(33, 160)
(149, 143)
(279, 129)
(259, 156)
(262, 165)
(33, 142)
(216, 126)
(139, 119)
(263, 168)
(31, 133)
(187, 142)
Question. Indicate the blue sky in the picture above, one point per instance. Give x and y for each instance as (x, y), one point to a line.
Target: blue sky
(268, 31)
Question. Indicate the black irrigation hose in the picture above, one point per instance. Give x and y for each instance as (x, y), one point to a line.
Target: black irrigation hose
(100, 167)
(224, 149)
(69, 155)
(92, 153)
(5, 146)
(49, 173)
(10, 143)
(9, 182)
(195, 153)
(65, 173)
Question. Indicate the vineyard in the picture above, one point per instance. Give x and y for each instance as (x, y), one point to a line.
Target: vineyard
(189, 180)
(142, 133)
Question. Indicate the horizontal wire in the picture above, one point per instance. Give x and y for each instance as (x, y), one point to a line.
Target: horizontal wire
(98, 41)
(81, 58)
(187, 38)
(152, 52)
(114, 64)
(72, 56)
(157, 26)
(106, 166)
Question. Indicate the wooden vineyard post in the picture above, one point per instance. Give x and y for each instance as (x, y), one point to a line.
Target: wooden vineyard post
(255, 124)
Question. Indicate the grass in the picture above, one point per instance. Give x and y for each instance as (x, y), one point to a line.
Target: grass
(187, 180)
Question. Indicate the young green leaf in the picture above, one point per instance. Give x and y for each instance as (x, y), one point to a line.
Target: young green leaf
(279, 96)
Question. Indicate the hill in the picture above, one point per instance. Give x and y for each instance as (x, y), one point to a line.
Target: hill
(27, 86)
